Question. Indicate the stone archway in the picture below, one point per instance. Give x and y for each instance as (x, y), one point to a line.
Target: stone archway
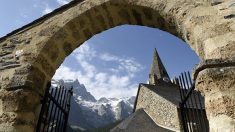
(30, 55)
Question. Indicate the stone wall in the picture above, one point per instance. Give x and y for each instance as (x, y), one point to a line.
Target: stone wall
(30, 55)
(217, 84)
(160, 102)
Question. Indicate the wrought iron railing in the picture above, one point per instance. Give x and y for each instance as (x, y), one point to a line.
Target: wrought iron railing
(55, 109)
(192, 108)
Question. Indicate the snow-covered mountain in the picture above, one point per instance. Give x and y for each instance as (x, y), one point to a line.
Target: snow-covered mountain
(87, 112)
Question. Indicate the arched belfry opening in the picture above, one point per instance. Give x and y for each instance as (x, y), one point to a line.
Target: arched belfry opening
(30, 55)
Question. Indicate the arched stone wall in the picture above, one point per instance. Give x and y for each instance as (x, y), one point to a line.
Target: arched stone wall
(29, 56)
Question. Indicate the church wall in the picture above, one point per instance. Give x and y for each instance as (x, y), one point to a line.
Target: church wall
(163, 112)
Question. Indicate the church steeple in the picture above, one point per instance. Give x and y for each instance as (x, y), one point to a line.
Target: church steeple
(158, 72)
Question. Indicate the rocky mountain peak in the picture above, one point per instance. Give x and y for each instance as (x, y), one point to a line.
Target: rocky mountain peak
(87, 112)
(79, 90)
(103, 100)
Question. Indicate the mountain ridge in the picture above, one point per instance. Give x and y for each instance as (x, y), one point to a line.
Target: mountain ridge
(87, 112)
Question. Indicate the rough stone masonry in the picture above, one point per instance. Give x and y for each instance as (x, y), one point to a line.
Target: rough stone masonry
(30, 55)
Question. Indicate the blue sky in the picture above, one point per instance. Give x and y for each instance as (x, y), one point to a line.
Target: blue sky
(111, 63)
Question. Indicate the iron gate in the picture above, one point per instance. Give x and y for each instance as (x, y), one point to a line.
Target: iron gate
(192, 108)
(55, 109)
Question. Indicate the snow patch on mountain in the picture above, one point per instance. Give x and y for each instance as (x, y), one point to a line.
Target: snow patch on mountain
(92, 113)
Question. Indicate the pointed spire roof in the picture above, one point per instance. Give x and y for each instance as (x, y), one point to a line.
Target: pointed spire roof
(158, 71)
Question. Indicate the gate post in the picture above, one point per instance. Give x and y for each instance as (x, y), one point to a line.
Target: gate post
(216, 80)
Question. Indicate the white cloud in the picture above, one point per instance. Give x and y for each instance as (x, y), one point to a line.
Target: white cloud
(84, 52)
(109, 57)
(101, 77)
(63, 2)
(130, 65)
(102, 83)
(47, 10)
(24, 15)
(66, 73)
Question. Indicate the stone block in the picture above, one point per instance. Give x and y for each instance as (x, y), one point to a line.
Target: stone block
(19, 100)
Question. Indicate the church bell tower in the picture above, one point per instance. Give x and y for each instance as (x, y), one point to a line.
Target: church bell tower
(158, 72)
